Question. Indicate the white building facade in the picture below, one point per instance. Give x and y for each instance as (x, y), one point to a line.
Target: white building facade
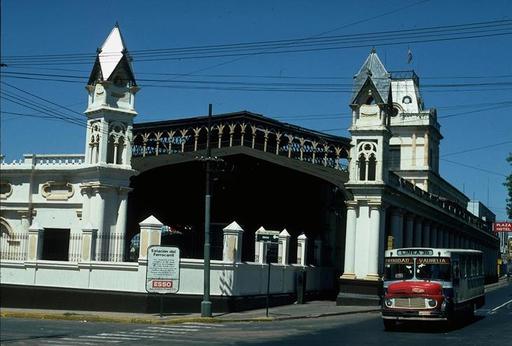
(63, 217)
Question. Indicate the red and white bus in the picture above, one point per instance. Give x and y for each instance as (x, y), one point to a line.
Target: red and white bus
(431, 284)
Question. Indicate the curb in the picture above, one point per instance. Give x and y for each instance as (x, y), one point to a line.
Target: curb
(156, 320)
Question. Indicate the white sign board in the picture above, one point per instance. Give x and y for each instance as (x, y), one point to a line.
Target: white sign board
(163, 274)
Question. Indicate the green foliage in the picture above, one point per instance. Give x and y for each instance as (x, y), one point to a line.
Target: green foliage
(508, 184)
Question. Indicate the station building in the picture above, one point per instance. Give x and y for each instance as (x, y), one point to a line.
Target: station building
(75, 229)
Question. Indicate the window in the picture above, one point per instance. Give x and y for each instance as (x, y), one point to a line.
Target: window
(394, 157)
(367, 161)
(372, 166)
(362, 167)
(407, 100)
(55, 244)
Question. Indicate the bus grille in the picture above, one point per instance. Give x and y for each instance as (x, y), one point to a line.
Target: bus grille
(411, 303)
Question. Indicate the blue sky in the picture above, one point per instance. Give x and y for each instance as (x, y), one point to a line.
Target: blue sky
(475, 119)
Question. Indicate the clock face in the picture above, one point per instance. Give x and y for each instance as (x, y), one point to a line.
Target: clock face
(406, 100)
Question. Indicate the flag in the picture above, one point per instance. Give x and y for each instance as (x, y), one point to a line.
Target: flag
(409, 56)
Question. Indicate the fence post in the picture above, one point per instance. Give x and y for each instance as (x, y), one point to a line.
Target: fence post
(150, 234)
(302, 242)
(259, 250)
(232, 250)
(35, 242)
(88, 243)
(284, 247)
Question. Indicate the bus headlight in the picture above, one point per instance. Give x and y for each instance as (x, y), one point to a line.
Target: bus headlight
(388, 302)
(431, 303)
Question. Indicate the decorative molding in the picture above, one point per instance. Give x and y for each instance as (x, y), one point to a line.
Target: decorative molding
(5, 189)
(57, 191)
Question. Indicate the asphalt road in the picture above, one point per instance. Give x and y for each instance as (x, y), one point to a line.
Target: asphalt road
(492, 326)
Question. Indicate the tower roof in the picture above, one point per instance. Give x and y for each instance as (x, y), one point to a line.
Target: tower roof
(111, 56)
(374, 70)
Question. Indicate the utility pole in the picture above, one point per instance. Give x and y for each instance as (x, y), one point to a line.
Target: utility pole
(206, 304)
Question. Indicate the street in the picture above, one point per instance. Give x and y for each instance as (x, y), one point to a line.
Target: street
(491, 326)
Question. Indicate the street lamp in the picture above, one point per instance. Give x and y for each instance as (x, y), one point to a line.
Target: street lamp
(206, 304)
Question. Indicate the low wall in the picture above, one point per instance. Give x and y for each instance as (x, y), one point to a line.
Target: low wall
(102, 285)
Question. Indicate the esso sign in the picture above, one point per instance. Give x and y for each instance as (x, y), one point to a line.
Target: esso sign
(161, 284)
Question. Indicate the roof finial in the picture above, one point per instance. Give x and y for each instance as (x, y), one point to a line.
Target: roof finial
(116, 25)
(373, 50)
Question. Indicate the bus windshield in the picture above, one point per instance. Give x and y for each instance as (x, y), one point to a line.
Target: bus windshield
(433, 268)
(398, 268)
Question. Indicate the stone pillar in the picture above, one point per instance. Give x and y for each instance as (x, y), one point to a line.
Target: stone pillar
(150, 234)
(374, 237)
(350, 241)
(118, 248)
(302, 243)
(283, 250)
(418, 228)
(317, 252)
(426, 235)
(232, 250)
(446, 239)
(451, 240)
(98, 216)
(397, 227)
(433, 235)
(88, 243)
(409, 231)
(259, 248)
(35, 242)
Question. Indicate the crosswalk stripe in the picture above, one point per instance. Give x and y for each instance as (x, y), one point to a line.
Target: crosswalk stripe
(174, 329)
(76, 341)
(204, 325)
(129, 334)
(102, 338)
(157, 332)
(117, 336)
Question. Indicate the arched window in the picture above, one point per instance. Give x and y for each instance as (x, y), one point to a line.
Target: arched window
(367, 161)
(372, 167)
(370, 100)
(362, 167)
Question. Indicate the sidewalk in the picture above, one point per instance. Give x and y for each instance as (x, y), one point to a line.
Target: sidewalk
(313, 309)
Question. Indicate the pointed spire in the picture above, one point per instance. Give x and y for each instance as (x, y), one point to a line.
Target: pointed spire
(374, 70)
(113, 53)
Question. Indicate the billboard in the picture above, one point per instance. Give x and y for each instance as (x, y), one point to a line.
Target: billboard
(502, 227)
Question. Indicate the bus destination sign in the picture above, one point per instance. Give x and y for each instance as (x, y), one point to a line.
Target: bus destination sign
(415, 252)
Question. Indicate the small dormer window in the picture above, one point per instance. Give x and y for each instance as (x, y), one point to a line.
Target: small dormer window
(370, 100)
(406, 100)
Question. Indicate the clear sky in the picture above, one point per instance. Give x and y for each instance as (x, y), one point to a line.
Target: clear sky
(469, 81)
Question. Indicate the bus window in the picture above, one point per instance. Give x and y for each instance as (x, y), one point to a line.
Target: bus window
(433, 268)
(456, 273)
(398, 268)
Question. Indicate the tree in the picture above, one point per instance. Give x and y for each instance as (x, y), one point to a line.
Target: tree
(508, 184)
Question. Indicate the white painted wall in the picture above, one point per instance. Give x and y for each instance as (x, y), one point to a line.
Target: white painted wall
(227, 279)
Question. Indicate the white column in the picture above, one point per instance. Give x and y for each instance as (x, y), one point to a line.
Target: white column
(232, 250)
(119, 239)
(150, 234)
(350, 241)
(283, 250)
(426, 235)
(98, 218)
(397, 227)
(302, 243)
(374, 236)
(35, 242)
(409, 231)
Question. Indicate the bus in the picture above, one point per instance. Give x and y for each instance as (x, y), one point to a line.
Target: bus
(431, 284)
